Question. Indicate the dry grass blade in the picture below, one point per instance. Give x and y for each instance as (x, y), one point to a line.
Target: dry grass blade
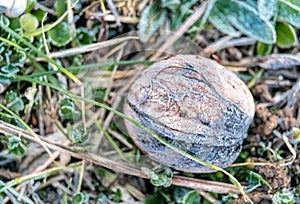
(181, 30)
(198, 184)
(90, 47)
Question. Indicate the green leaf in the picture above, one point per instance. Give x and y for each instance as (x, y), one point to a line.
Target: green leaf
(283, 197)
(151, 19)
(67, 110)
(263, 49)
(14, 101)
(162, 177)
(298, 190)
(60, 7)
(172, 5)
(80, 198)
(28, 22)
(155, 198)
(254, 180)
(30, 5)
(4, 20)
(116, 196)
(78, 135)
(208, 11)
(286, 35)
(101, 199)
(9, 70)
(16, 146)
(85, 36)
(186, 196)
(181, 13)
(60, 35)
(289, 11)
(221, 22)
(247, 20)
(266, 8)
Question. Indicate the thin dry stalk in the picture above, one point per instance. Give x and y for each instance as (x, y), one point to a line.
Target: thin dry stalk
(199, 184)
(90, 47)
(181, 30)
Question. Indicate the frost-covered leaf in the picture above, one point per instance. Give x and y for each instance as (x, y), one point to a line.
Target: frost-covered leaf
(172, 5)
(186, 195)
(159, 178)
(249, 4)
(289, 11)
(9, 70)
(86, 36)
(283, 197)
(286, 35)
(207, 12)
(221, 22)
(4, 20)
(67, 110)
(266, 8)
(255, 180)
(152, 18)
(248, 21)
(78, 135)
(183, 10)
(13, 101)
(16, 146)
(80, 198)
(60, 35)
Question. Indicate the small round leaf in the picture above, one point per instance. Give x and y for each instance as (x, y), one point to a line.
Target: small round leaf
(60, 35)
(286, 35)
(29, 22)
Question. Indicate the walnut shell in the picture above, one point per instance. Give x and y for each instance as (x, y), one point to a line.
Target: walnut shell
(195, 104)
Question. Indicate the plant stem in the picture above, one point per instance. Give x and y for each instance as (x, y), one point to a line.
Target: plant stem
(36, 50)
(36, 176)
(148, 131)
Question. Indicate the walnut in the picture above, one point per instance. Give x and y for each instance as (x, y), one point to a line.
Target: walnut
(193, 103)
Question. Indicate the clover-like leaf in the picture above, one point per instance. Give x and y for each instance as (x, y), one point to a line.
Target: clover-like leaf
(152, 17)
(266, 8)
(283, 197)
(60, 35)
(289, 11)
(67, 110)
(85, 36)
(78, 135)
(14, 101)
(286, 35)
(16, 146)
(186, 195)
(159, 178)
(80, 198)
(255, 180)
(9, 69)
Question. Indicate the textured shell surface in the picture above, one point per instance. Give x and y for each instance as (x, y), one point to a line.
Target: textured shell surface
(193, 103)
